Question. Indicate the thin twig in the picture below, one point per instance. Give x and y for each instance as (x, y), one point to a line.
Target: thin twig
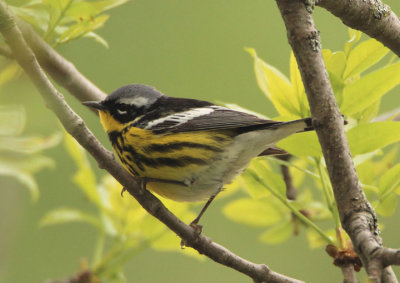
(356, 214)
(77, 128)
(291, 191)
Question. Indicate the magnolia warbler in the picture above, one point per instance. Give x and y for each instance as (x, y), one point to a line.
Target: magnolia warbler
(186, 149)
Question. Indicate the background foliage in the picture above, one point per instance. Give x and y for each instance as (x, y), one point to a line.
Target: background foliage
(192, 49)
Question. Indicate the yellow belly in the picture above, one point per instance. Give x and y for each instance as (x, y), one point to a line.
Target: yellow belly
(179, 157)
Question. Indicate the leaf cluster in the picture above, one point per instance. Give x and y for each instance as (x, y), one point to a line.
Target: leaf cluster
(60, 21)
(21, 156)
(360, 78)
(123, 227)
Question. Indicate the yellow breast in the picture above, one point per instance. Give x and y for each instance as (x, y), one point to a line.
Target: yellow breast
(179, 157)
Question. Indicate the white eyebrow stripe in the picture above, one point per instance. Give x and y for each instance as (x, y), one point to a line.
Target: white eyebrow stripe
(182, 117)
(136, 101)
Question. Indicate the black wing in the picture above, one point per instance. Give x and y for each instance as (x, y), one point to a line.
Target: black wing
(208, 118)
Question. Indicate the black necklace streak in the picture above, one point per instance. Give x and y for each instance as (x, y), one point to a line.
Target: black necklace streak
(129, 155)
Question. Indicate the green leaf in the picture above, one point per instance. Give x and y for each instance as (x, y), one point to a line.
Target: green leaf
(365, 138)
(389, 181)
(387, 206)
(278, 233)
(368, 113)
(82, 28)
(96, 38)
(29, 145)
(31, 163)
(25, 178)
(335, 62)
(354, 37)
(370, 88)
(258, 167)
(9, 72)
(84, 178)
(35, 14)
(253, 187)
(298, 87)
(276, 87)
(315, 240)
(252, 212)
(12, 120)
(363, 56)
(304, 144)
(86, 9)
(68, 215)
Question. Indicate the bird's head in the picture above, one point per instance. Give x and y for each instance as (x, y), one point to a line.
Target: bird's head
(124, 105)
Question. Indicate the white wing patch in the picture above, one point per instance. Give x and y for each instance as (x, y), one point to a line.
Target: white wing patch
(183, 117)
(138, 101)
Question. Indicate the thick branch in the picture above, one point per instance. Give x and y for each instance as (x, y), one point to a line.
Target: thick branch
(356, 214)
(369, 16)
(76, 127)
(60, 69)
(349, 275)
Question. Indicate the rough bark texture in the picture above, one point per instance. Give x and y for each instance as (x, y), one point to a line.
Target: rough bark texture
(369, 16)
(77, 128)
(356, 214)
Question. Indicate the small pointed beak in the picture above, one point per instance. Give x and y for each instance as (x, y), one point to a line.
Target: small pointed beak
(95, 105)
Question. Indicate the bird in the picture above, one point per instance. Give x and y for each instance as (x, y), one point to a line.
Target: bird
(186, 149)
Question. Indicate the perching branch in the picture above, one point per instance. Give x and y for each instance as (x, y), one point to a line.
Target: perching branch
(291, 191)
(77, 128)
(59, 68)
(356, 214)
(369, 16)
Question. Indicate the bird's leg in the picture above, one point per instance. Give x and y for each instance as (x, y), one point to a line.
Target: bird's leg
(195, 222)
(144, 180)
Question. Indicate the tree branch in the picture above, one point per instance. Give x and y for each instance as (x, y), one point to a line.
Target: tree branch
(76, 127)
(369, 16)
(356, 214)
(59, 68)
(349, 275)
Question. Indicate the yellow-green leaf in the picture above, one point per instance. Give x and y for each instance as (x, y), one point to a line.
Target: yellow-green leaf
(10, 72)
(354, 37)
(335, 62)
(315, 240)
(389, 181)
(278, 233)
(367, 90)
(372, 136)
(252, 212)
(84, 178)
(363, 56)
(304, 144)
(387, 206)
(298, 87)
(29, 145)
(12, 120)
(66, 215)
(25, 178)
(276, 87)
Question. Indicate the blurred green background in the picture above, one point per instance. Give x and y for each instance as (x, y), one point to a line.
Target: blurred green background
(187, 49)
